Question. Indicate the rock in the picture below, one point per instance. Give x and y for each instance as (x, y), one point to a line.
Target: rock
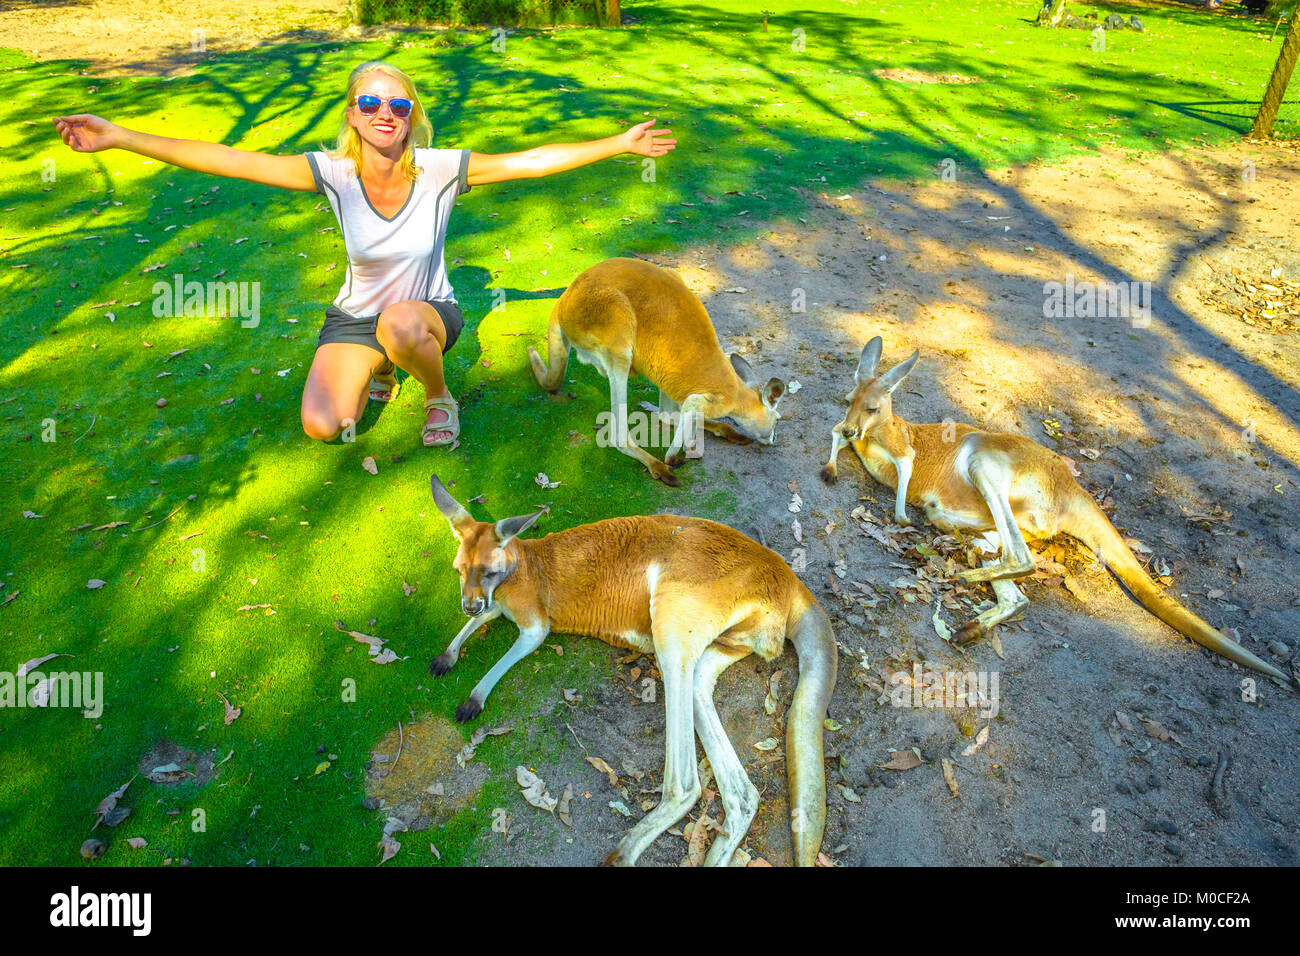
(1279, 649)
(1166, 825)
(1174, 849)
(1124, 787)
(370, 803)
(93, 849)
(1153, 782)
(1136, 24)
(1114, 22)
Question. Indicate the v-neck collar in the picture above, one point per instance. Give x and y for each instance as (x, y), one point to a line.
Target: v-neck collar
(362, 183)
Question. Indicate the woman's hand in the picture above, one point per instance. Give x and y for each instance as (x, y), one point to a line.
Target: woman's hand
(645, 141)
(86, 133)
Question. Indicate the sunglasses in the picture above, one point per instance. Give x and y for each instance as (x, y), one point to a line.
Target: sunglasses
(399, 106)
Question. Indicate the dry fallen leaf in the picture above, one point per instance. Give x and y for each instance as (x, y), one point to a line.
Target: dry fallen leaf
(34, 663)
(949, 777)
(368, 463)
(697, 840)
(980, 740)
(109, 803)
(534, 790)
(767, 743)
(1160, 732)
(902, 760)
(232, 713)
(605, 769)
(389, 846)
(562, 809)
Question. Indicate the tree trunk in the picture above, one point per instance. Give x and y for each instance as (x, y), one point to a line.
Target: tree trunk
(1051, 13)
(1263, 128)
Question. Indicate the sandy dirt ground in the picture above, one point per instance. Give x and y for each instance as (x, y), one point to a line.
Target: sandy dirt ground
(1116, 741)
(163, 37)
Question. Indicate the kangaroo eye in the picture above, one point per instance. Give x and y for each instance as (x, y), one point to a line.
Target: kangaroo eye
(874, 410)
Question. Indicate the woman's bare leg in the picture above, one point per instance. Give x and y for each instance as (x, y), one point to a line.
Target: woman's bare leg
(337, 388)
(413, 335)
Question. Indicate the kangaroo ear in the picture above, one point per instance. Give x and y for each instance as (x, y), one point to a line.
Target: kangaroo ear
(869, 360)
(773, 391)
(509, 528)
(451, 509)
(894, 377)
(743, 370)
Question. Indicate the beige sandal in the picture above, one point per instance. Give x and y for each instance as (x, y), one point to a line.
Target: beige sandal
(382, 383)
(451, 425)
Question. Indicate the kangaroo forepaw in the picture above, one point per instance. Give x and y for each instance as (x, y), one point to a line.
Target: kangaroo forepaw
(675, 461)
(441, 665)
(468, 710)
(830, 474)
(968, 632)
(662, 472)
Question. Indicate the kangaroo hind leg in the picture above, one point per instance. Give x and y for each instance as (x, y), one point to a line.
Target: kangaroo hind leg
(738, 793)
(681, 781)
(992, 479)
(1011, 600)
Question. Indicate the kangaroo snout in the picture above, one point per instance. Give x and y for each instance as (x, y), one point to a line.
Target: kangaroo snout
(473, 606)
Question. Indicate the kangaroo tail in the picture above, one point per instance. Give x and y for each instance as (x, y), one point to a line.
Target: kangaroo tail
(1088, 523)
(814, 642)
(557, 347)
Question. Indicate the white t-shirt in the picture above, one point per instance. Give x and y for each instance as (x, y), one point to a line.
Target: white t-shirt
(393, 260)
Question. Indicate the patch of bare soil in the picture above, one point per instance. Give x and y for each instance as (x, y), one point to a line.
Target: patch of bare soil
(164, 37)
(169, 763)
(906, 75)
(1114, 740)
(414, 778)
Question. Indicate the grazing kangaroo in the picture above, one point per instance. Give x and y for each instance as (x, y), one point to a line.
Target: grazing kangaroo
(626, 315)
(699, 596)
(980, 481)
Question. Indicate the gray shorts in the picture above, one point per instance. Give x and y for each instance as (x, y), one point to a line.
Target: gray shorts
(360, 330)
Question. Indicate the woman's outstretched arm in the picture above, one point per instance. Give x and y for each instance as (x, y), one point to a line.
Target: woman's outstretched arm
(641, 139)
(90, 134)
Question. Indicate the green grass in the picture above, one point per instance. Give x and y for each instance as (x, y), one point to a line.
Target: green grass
(301, 526)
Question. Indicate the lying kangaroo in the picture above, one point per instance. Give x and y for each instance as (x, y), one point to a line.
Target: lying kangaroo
(978, 481)
(626, 315)
(699, 596)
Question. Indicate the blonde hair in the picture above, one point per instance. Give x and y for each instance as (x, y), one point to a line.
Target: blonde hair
(420, 133)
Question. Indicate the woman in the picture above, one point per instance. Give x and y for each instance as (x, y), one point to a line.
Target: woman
(392, 197)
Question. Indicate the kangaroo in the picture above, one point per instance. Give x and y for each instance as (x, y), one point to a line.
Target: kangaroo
(981, 481)
(699, 596)
(626, 315)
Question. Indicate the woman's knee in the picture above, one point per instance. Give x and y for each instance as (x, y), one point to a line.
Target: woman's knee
(322, 425)
(405, 327)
